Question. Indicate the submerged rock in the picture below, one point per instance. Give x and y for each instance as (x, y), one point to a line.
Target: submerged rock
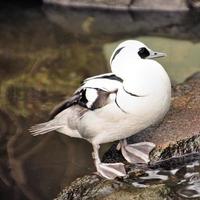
(177, 140)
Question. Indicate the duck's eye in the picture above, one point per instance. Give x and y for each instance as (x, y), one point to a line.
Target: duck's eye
(117, 52)
(143, 52)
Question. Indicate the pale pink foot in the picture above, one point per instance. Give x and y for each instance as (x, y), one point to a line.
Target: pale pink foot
(111, 170)
(136, 153)
(107, 170)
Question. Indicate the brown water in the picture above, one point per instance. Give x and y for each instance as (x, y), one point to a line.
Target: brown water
(41, 63)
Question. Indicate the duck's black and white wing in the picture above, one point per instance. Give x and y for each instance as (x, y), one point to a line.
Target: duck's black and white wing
(95, 93)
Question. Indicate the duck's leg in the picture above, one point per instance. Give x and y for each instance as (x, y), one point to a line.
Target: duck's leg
(107, 170)
(136, 153)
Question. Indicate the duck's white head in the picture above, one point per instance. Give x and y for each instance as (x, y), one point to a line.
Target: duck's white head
(133, 62)
(132, 52)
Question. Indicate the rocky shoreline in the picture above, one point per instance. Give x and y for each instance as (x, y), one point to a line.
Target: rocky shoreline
(177, 140)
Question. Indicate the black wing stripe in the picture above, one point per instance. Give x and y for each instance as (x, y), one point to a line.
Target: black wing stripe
(135, 95)
(82, 101)
(111, 77)
(119, 106)
(117, 52)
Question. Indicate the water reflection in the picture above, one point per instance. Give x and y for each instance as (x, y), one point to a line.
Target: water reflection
(38, 69)
(40, 64)
(39, 167)
(183, 182)
(189, 185)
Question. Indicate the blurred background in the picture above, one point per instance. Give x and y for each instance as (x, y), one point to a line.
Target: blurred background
(46, 50)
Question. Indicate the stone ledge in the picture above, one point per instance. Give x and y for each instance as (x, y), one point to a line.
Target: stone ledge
(170, 5)
(160, 5)
(112, 4)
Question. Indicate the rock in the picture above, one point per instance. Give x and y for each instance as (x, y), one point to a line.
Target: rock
(102, 4)
(135, 21)
(170, 5)
(93, 187)
(177, 19)
(178, 142)
(124, 5)
(194, 4)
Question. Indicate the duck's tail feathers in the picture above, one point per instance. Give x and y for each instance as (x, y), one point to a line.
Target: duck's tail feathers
(43, 128)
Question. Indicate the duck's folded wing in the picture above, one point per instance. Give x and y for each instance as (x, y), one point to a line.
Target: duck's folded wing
(108, 82)
(110, 76)
(94, 93)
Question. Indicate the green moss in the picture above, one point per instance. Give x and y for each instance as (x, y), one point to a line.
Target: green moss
(50, 72)
(156, 192)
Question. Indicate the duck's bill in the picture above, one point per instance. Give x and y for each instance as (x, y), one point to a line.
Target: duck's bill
(154, 54)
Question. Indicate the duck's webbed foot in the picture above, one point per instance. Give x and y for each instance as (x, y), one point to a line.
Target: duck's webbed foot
(111, 170)
(107, 170)
(136, 153)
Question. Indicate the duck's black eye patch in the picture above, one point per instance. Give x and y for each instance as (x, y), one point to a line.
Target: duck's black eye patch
(143, 52)
(117, 52)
